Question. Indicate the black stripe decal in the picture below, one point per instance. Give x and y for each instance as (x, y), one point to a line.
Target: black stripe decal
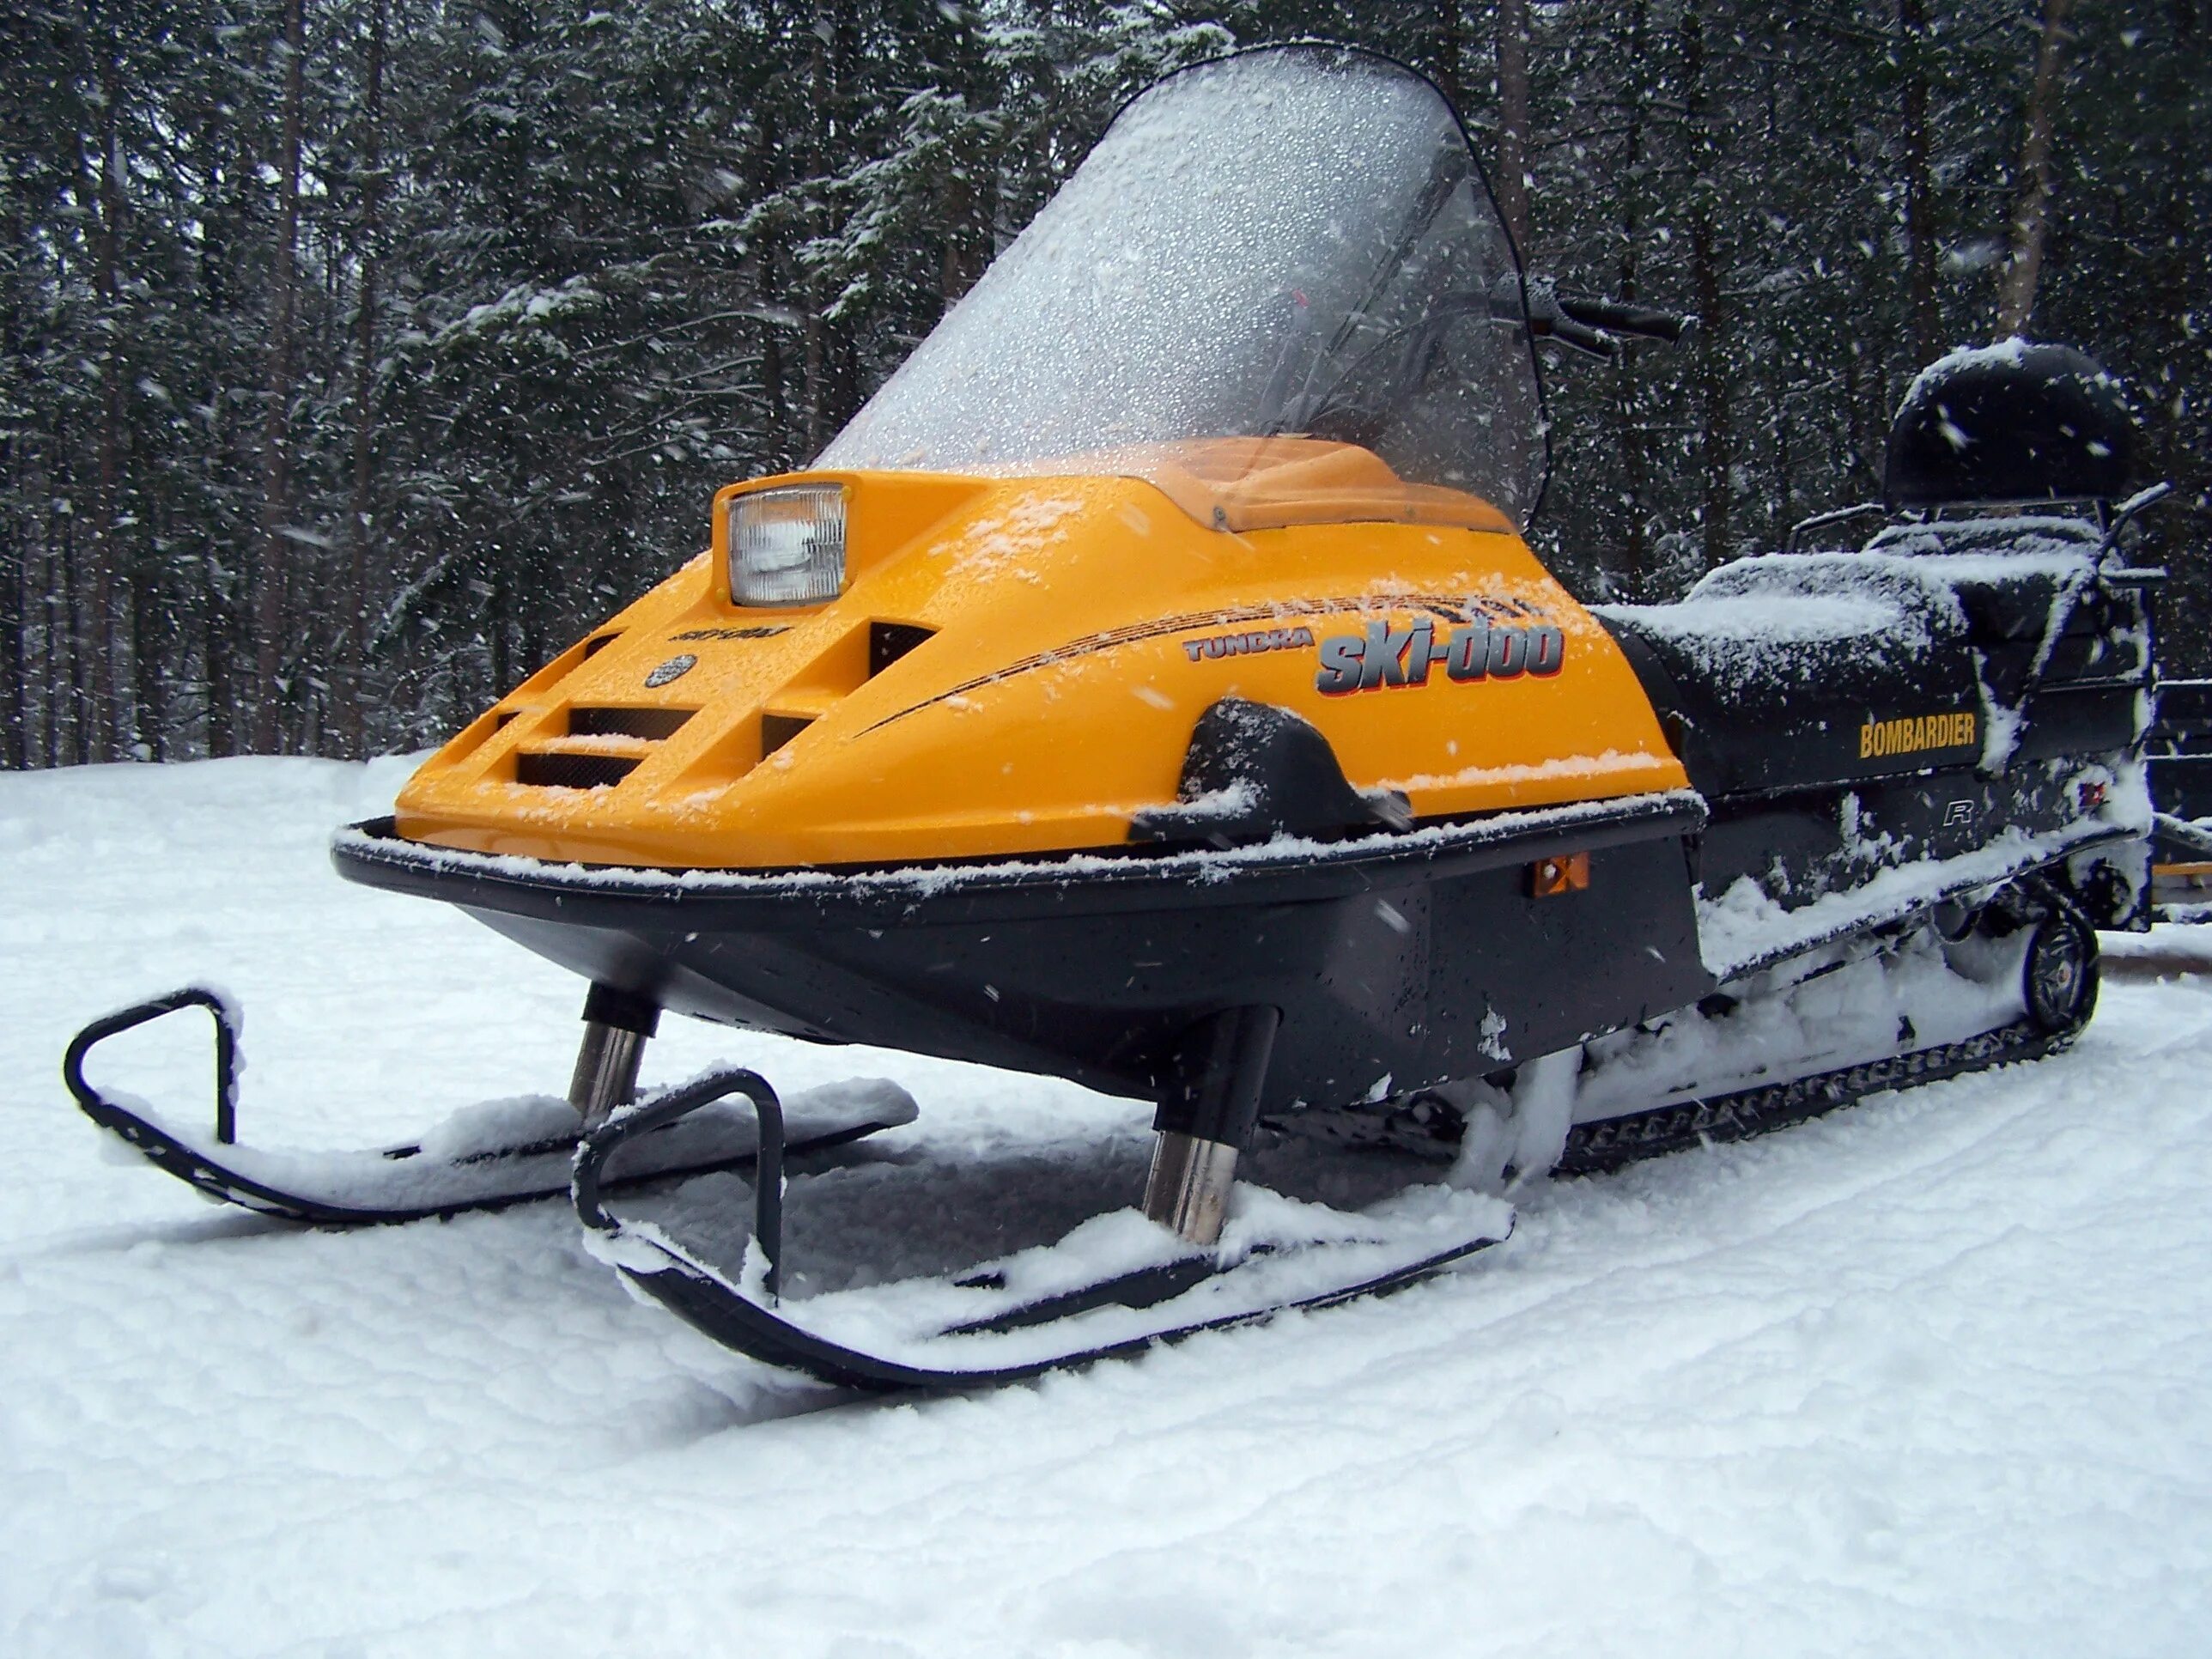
(1455, 611)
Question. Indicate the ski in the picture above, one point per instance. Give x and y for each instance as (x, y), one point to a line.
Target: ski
(485, 1157)
(1117, 1285)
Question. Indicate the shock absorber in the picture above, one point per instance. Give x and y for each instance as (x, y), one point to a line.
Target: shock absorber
(617, 1024)
(1206, 1113)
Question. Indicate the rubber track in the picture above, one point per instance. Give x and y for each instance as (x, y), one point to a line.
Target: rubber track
(1617, 1142)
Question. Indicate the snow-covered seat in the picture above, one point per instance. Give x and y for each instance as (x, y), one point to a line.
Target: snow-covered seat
(1772, 673)
(1794, 670)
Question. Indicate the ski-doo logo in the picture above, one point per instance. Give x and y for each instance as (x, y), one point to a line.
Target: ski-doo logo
(1387, 655)
(761, 633)
(1916, 733)
(1247, 645)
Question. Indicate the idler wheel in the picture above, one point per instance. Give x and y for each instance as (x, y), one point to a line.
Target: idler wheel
(2060, 976)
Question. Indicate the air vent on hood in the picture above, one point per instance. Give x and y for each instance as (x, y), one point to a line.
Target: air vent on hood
(777, 730)
(889, 641)
(653, 724)
(568, 769)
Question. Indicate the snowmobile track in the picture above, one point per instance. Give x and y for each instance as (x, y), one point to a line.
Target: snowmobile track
(1615, 1143)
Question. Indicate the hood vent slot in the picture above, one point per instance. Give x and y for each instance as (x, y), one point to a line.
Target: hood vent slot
(568, 769)
(777, 730)
(652, 724)
(889, 641)
(593, 647)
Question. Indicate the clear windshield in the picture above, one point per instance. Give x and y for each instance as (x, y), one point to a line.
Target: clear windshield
(1279, 275)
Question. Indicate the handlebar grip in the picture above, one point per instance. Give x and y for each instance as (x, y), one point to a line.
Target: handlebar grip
(1615, 317)
(1570, 332)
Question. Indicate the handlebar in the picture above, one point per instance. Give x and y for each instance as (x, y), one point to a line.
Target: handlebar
(1597, 327)
(1615, 317)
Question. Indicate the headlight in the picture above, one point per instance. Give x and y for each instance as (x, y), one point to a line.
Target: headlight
(787, 546)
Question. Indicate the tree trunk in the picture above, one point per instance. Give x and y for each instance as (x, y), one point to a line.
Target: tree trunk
(1512, 180)
(15, 557)
(52, 638)
(356, 727)
(1635, 551)
(815, 371)
(1717, 437)
(149, 730)
(1912, 50)
(1451, 50)
(268, 601)
(71, 629)
(95, 645)
(2031, 219)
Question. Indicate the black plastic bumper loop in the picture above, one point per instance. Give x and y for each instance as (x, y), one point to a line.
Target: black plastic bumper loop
(666, 1107)
(226, 1051)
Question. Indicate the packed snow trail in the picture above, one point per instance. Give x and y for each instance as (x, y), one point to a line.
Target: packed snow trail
(1932, 1376)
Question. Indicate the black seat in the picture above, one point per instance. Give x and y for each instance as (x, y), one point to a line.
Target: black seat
(1799, 671)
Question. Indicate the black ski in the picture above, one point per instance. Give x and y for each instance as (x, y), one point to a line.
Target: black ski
(1186, 1291)
(407, 1181)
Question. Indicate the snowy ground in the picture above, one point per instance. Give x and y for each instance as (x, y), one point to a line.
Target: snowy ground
(1933, 1376)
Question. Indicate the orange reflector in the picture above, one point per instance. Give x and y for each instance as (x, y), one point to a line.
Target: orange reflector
(1568, 874)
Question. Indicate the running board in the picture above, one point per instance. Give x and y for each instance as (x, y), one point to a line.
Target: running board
(485, 1157)
(1116, 1285)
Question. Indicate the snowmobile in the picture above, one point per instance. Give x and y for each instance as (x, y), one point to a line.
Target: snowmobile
(1151, 687)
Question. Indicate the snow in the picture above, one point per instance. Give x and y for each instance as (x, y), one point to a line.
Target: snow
(1931, 1375)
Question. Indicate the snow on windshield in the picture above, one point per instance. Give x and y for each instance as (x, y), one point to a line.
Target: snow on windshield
(1291, 240)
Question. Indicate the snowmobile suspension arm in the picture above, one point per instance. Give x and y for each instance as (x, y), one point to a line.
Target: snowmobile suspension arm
(597, 1146)
(124, 1019)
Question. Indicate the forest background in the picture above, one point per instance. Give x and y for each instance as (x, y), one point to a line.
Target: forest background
(358, 354)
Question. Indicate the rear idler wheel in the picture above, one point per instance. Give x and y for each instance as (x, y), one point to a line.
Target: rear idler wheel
(1205, 1115)
(2060, 974)
(617, 1025)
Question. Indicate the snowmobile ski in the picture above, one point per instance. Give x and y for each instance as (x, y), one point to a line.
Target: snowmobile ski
(486, 1158)
(1116, 1285)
